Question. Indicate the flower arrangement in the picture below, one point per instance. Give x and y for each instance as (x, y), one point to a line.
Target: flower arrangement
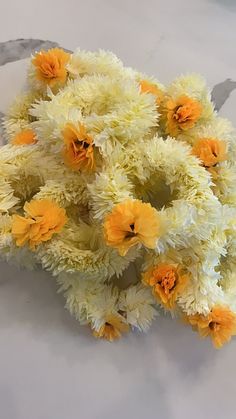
(124, 189)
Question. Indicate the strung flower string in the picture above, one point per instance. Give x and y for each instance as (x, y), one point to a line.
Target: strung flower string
(96, 150)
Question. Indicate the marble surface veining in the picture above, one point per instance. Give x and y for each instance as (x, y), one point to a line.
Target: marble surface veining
(50, 367)
(18, 49)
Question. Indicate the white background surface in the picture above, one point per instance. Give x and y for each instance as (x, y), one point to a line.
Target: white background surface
(50, 367)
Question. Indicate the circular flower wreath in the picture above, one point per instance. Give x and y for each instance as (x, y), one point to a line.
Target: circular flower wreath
(125, 190)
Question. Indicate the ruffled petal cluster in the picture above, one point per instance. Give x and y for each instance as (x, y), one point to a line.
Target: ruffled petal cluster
(125, 190)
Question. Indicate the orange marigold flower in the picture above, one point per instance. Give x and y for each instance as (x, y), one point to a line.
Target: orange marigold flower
(51, 66)
(167, 282)
(147, 87)
(26, 136)
(210, 151)
(181, 114)
(43, 219)
(79, 149)
(113, 328)
(220, 325)
(130, 223)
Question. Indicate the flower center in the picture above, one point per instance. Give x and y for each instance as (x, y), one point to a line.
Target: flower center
(85, 145)
(214, 326)
(130, 233)
(182, 113)
(80, 146)
(210, 151)
(168, 281)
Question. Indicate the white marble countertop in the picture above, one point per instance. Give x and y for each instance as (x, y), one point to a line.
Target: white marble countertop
(50, 367)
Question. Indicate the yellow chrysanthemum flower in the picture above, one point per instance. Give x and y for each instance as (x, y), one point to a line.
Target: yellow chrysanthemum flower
(220, 325)
(130, 223)
(210, 151)
(181, 114)
(79, 150)
(167, 282)
(51, 66)
(147, 87)
(113, 328)
(24, 137)
(43, 219)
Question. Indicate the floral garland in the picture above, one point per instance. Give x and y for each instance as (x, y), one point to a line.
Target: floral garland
(124, 189)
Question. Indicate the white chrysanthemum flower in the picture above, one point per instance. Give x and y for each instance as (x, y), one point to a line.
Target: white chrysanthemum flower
(65, 190)
(203, 291)
(138, 304)
(109, 108)
(103, 304)
(102, 62)
(18, 117)
(108, 189)
(224, 184)
(7, 198)
(79, 295)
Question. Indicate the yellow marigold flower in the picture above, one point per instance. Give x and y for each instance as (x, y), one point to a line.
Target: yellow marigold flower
(147, 87)
(181, 114)
(113, 328)
(51, 66)
(167, 282)
(220, 325)
(43, 219)
(129, 223)
(79, 150)
(26, 136)
(210, 151)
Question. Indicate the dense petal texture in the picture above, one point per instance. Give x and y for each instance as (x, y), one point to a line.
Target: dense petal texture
(167, 282)
(220, 325)
(51, 66)
(210, 151)
(78, 150)
(181, 114)
(125, 190)
(24, 137)
(112, 329)
(43, 219)
(130, 223)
